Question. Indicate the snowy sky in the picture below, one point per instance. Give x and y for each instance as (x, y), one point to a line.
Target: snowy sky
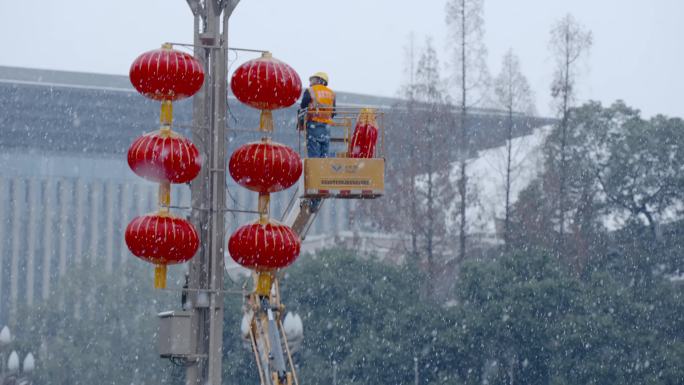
(637, 55)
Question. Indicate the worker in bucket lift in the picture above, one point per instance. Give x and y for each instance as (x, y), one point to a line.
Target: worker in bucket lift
(315, 114)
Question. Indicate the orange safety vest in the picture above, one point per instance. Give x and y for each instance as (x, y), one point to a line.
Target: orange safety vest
(322, 102)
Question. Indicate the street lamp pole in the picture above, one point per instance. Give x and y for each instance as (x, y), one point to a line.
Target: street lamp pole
(415, 370)
(205, 277)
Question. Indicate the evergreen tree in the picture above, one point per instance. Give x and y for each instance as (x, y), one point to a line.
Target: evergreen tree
(99, 328)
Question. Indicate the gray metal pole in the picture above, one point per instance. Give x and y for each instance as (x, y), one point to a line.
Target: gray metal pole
(199, 216)
(208, 191)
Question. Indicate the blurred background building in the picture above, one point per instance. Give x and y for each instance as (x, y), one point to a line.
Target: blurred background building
(66, 192)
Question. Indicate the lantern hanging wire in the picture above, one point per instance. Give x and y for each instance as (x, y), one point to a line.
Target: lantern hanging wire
(225, 210)
(216, 46)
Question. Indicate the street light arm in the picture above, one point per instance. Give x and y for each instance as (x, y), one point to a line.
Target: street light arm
(230, 7)
(195, 7)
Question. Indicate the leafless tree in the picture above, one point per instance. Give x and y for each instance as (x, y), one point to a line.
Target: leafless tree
(514, 96)
(433, 186)
(471, 77)
(418, 192)
(570, 42)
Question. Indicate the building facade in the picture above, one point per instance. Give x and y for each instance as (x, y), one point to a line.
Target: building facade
(66, 192)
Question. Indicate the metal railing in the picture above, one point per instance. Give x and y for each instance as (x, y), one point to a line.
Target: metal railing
(342, 128)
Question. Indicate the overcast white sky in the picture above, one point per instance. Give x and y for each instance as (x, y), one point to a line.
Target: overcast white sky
(637, 55)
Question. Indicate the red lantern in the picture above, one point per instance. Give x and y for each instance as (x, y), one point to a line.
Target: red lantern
(265, 166)
(164, 156)
(162, 239)
(264, 247)
(166, 74)
(268, 84)
(365, 136)
(363, 141)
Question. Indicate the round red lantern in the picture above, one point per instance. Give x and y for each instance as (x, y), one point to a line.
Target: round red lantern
(265, 166)
(164, 156)
(268, 84)
(264, 246)
(166, 74)
(162, 239)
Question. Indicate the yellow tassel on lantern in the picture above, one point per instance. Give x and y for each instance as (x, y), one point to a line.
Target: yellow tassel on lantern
(266, 121)
(166, 114)
(263, 207)
(263, 284)
(164, 196)
(160, 276)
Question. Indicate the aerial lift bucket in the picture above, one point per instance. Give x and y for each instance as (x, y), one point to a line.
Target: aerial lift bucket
(344, 176)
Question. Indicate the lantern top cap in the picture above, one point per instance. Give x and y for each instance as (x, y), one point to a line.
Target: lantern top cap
(167, 46)
(367, 116)
(266, 55)
(163, 212)
(271, 221)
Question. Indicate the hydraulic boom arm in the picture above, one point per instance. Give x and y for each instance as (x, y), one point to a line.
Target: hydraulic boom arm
(298, 214)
